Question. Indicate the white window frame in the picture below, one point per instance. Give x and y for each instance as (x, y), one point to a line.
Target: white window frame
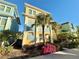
(34, 12)
(31, 12)
(1, 20)
(4, 7)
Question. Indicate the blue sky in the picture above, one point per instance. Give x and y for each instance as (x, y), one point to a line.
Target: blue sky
(61, 10)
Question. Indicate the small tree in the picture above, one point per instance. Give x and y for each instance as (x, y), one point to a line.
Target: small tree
(5, 47)
(6, 34)
(78, 33)
(56, 27)
(68, 39)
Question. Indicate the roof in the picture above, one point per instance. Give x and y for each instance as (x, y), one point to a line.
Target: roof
(8, 3)
(29, 5)
(65, 23)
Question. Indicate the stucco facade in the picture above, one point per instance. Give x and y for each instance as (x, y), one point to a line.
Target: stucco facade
(29, 16)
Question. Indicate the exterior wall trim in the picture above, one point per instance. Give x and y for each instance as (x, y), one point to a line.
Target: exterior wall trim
(33, 7)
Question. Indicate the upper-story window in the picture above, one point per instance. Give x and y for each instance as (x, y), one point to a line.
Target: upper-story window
(34, 12)
(8, 9)
(2, 7)
(30, 11)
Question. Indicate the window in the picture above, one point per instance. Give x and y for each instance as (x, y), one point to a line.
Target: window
(2, 7)
(40, 37)
(8, 9)
(3, 21)
(30, 11)
(30, 22)
(14, 14)
(64, 30)
(34, 12)
(39, 28)
(0, 20)
(31, 36)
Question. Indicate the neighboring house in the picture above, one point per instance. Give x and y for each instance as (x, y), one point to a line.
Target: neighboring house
(69, 27)
(29, 16)
(9, 17)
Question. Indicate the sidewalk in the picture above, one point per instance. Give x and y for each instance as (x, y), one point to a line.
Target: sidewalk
(74, 51)
(64, 53)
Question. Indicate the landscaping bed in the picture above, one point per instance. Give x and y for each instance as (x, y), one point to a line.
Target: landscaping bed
(14, 53)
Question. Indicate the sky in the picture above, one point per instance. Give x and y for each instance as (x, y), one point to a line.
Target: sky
(61, 10)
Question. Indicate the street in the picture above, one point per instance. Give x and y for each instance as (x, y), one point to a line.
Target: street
(67, 54)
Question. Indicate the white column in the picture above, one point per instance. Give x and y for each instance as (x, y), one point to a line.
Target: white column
(8, 24)
(51, 34)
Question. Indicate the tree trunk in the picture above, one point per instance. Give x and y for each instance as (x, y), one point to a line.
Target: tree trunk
(35, 32)
(51, 40)
(56, 34)
(5, 24)
(43, 32)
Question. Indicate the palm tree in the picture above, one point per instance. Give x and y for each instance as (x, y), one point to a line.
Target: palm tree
(50, 27)
(55, 27)
(42, 20)
(6, 34)
(35, 24)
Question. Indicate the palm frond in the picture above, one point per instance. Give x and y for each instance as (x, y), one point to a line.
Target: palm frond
(32, 25)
